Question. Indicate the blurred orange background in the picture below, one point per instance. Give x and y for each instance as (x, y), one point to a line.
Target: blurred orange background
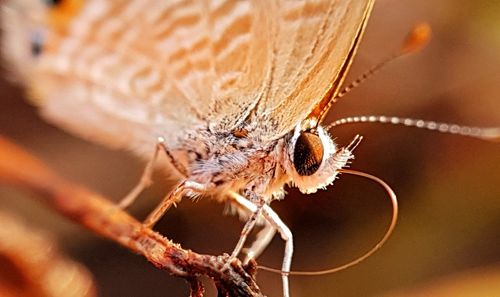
(447, 242)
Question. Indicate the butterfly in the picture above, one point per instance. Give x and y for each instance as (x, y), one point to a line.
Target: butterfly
(231, 93)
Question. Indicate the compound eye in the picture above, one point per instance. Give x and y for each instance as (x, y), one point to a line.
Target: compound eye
(307, 154)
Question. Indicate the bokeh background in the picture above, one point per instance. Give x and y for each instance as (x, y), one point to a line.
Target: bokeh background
(447, 242)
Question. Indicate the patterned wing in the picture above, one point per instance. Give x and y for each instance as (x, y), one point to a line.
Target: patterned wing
(299, 51)
(123, 72)
(313, 49)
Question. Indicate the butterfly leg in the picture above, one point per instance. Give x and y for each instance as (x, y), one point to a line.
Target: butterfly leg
(249, 225)
(263, 237)
(146, 177)
(173, 197)
(262, 240)
(144, 182)
(274, 220)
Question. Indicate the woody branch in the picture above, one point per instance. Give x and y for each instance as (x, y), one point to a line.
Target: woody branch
(98, 214)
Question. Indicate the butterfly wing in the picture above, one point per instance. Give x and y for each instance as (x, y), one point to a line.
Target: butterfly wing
(124, 72)
(313, 49)
(299, 53)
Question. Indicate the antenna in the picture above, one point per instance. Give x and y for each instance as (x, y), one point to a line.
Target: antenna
(415, 40)
(489, 134)
(375, 248)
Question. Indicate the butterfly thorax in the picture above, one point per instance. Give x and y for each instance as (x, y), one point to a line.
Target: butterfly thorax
(235, 160)
(240, 160)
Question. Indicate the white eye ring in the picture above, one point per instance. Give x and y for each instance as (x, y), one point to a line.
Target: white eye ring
(324, 175)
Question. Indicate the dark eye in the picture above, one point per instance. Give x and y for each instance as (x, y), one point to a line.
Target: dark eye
(307, 154)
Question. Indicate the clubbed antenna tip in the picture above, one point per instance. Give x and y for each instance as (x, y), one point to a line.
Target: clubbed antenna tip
(417, 39)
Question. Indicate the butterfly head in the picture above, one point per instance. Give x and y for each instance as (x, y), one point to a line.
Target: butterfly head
(314, 159)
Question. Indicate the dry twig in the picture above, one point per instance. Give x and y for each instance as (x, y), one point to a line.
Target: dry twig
(98, 214)
(38, 272)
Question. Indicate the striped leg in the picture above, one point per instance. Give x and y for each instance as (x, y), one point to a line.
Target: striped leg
(263, 237)
(274, 220)
(146, 177)
(173, 197)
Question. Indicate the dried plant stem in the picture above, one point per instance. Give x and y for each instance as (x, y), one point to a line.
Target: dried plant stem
(98, 214)
(37, 273)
